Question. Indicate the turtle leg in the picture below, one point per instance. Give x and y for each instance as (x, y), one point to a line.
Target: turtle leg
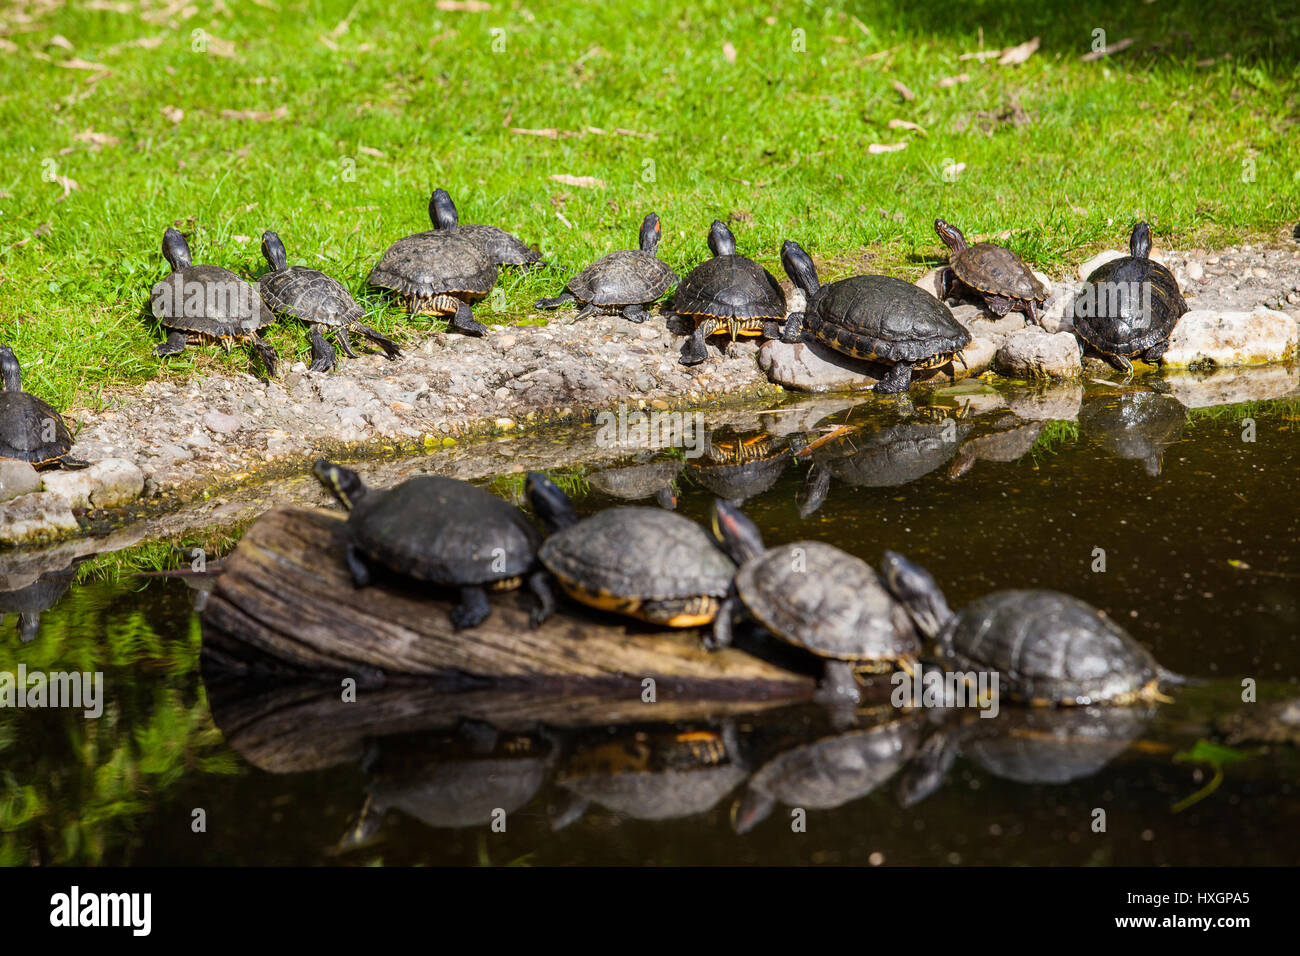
(360, 573)
(771, 329)
(898, 379)
(322, 353)
(539, 582)
(998, 305)
(345, 341)
(1030, 312)
(390, 347)
(792, 331)
(635, 313)
(29, 625)
(564, 298)
(473, 608)
(174, 345)
(263, 349)
(721, 635)
(815, 488)
(839, 685)
(947, 283)
(587, 311)
(696, 351)
(567, 809)
(73, 464)
(465, 321)
(751, 810)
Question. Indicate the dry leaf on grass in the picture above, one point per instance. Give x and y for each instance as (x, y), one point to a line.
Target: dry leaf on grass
(876, 148)
(371, 151)
(1019, 54)
(8, 46)
(980, 55)
(905, 124)
(903, 91)
(729, 52)
(948, 81)
(1105, 51)
(96, 140)
(77, 63)
(172, 113)
(256, 116)
(60, 41)
(463, 6)
(68, 186)
(548, 133)
(585, 182)
(952, 171)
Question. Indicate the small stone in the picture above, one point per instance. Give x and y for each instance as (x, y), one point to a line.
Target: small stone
(17, 478)
(221, 423)
(105, 484)
(1099, 260)
(35, 517)
(1195, 271)
(1035, 354)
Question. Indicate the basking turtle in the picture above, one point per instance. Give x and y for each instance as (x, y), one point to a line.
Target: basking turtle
(993, 273)
(728, 293)
(625, 281)
(313, 297)
(207, 302)
(1129, 307)
(30, 429)
(645, 563)
(1138, 426)
(817, 597)
(877, 318)
(653, 479)
(497, 244)
(441, 531)
(1048, 648)
(437, 273)
(741, 467)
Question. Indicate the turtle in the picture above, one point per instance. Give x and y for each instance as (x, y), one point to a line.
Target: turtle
(30, 593)
(620, 282)
(1009, 441)
(817, 597)
(877, 318)
(995, 274)
(645, 563)
(1048, 648)
(1128, 307)
(1137, 426)
(437, 273)
(322, 302)
(652, 479)
(1266, 722)
(728, 293)
(741, 467)
(497, 244)
(207, 302)
(441, 531)
(31, 430)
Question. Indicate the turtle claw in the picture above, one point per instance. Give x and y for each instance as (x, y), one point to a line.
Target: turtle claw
(472, 610)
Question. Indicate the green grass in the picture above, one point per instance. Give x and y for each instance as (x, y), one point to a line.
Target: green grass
(776, 141)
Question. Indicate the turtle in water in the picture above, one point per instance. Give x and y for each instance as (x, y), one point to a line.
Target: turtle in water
(652, 479)
(1128, 307)
(495, 243)
(313, 297)
(743, 466)
(817, 597)
(207, 302)
(1138, 426)
(728, 293)
(875, 318)
(437, 273)
(31, 430)
(993, 273)
(1047, 648)
(646, 563)
(625, 281)
(441, 531)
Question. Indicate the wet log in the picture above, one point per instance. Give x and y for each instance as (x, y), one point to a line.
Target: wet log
(286, 596)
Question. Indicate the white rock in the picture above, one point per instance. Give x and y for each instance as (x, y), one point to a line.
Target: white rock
(1230, 386)
(1099, 260)
(929, 282)
(35, 517)
(1232, 338)
(1035, 354)
(105, 484)
(221, 423)
(17, 478)
(1054, 403)
(1195, 271)
(813, 367)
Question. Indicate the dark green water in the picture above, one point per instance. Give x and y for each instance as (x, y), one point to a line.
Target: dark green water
(1200, 533)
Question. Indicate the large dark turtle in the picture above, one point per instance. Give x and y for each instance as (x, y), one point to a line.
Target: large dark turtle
(497, 244)
(993, 273)
(728, 293)
(207, 302)
(1129, 307)
(31, 430)
(1138, 426)
(740, 467)
(625, 281)
(815, 596)
(645, 563)
(322, 302)
(876, 318)
(441, 531)
(1047, 648)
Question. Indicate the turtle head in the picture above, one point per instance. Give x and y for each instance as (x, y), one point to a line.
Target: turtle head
(549, 503)
(736, 534)
(650, 234)
(721, 241)
(343, 483)
(10, 369)
(273, 249)
(29, 625)
(176, 250)
(442, 211)
(950, 234)
(1139, 244)
(914, 587)
(799, 267)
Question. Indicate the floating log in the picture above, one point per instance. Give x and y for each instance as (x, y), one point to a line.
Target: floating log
(286, 596)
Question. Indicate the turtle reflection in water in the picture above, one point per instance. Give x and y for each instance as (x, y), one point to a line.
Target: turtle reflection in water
(29, 595)
(1010, 440)
(651, 479)
(1136, 425)
(739, 467)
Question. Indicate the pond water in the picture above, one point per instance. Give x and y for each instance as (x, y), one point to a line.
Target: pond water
(1167, 518)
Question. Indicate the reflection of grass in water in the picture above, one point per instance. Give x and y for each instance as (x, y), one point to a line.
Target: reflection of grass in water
(1216, 757)
(572, 481)
(1286, 412)
(1054, 438)
(166, 555)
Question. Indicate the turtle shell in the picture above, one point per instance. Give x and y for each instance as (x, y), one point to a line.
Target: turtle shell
(444, 531)
(730, 287)
(309, 295)
(24, 422)
(639, 553)
(1049, 647)
(626, 277)
(1054, 746)
(994, 270)
(825, 600)
(434, 263)
(1120, 318)
(500, 246)
(634, 482)
(742, 468)
(211, 301)
(891, 456)
(883, 319)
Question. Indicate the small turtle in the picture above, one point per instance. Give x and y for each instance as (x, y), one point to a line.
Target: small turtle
(497, 244)
(198, 302)
(313, 297)
(1011, 440)
(1129, 307)
(993, 273)
(652, 479)
(437, 273)
(815, 596)
(30, 429)
(1271, 722)
(728, 293)
(441, 531)
(646, 563)
(1047, 648)
(625, 281)
(877, 318)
